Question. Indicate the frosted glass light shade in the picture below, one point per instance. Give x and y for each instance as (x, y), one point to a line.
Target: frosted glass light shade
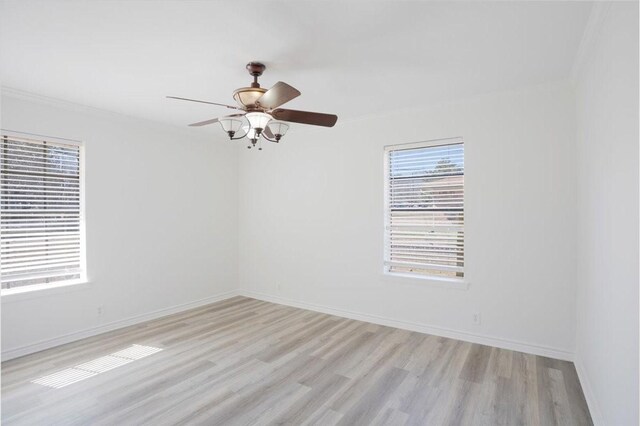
(278, 128)
(258, 120)
(230, 124)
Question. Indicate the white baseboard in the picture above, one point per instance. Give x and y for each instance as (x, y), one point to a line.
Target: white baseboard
(419, 327)
(77, 335)
(406, 325)
(587, 390)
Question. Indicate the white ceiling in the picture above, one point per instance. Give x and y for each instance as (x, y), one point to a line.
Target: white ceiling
(350, 58)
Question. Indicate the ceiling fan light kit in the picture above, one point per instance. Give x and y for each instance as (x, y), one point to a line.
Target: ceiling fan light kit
(260, 116)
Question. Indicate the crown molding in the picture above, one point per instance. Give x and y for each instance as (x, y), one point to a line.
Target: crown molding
(597, 17)
(11, 92)
(60, 103)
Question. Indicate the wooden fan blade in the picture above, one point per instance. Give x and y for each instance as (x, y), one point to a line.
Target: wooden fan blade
(213, 120)
(278, 95)
(203, 102)
(305, 117)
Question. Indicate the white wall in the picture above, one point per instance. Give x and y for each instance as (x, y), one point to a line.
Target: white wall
(607, 263)
(311, 220)
(161, 222)
(162, 231)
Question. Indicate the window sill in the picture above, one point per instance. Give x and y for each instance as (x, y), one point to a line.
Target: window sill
(452, 283)
(42, 290)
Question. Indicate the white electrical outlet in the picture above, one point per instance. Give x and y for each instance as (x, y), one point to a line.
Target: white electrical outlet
(100, 310)
(476, 318)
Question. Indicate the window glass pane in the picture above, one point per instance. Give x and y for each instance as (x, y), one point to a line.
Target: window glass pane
(425, 209)
(40, 213)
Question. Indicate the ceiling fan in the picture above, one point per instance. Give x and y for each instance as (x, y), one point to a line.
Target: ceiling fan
(260, 109)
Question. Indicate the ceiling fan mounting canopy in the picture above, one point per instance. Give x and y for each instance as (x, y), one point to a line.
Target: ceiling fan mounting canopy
(260, 108)
(256, 68)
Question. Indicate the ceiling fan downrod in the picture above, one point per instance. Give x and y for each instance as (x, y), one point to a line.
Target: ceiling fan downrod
(255, 69)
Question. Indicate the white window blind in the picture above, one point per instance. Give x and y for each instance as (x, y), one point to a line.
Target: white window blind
(424, 202)
(41, 215)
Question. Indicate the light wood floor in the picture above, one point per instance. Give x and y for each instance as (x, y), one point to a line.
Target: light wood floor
(244, 361)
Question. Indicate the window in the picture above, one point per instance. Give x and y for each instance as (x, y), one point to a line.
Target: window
(424, 209)
(41, 215)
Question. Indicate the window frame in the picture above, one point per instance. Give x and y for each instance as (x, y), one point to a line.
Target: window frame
(27, 291)
(439, 281)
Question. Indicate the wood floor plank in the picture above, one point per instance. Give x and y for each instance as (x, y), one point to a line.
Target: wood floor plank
(246, 361)
(464, 401)
(475, 365)
(313, 401)
(327, 417)
(371, 401)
